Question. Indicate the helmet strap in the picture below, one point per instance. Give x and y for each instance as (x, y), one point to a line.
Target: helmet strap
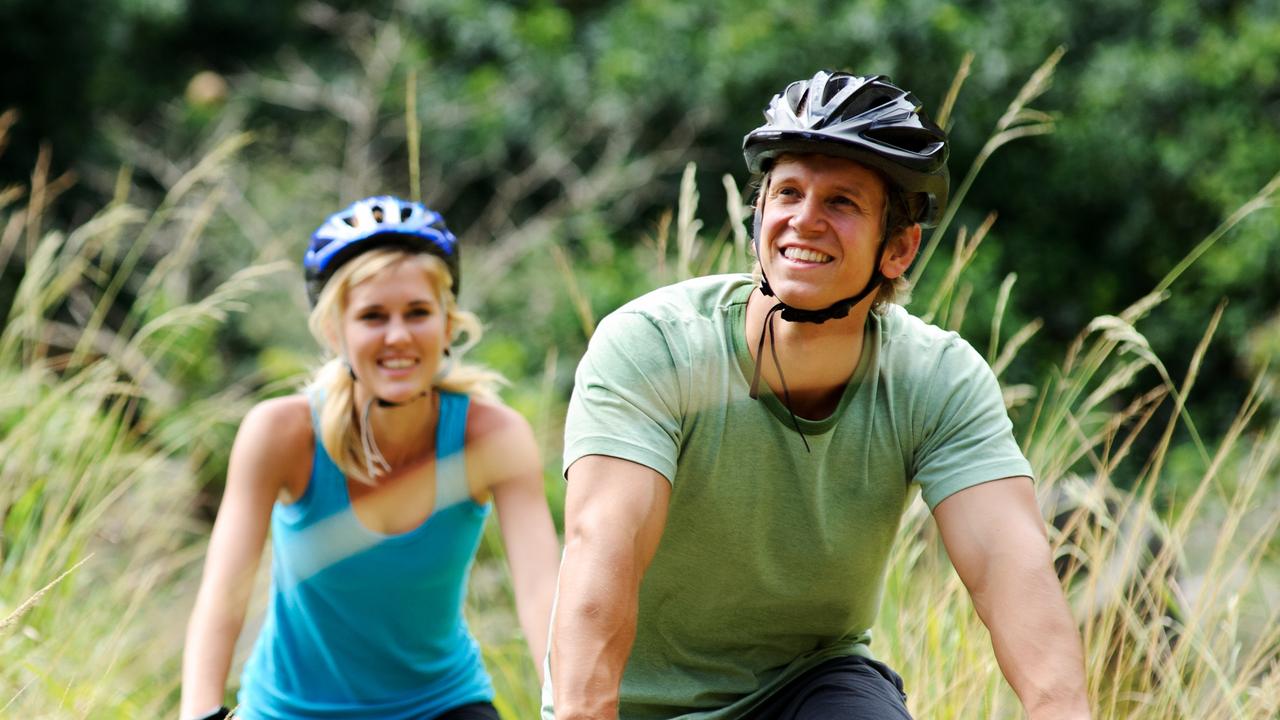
(374, 463)
(834, 311)
(388, 404)
(773, 350)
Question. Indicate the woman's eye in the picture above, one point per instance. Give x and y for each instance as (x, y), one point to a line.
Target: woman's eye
(372, 317)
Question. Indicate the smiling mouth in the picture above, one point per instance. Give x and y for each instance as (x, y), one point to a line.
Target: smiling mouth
(805, 255)
(397, 363)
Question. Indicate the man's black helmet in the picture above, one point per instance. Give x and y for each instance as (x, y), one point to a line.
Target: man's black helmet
(867, 119)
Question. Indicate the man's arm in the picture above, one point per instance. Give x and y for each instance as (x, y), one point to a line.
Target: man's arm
(997, 543)
(615, 511)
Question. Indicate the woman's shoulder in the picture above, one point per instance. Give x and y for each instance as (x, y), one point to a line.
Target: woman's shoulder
(279, 442)
(273, 447)
(499, 439)
(292, 412)
(280, 427)
(489, 416)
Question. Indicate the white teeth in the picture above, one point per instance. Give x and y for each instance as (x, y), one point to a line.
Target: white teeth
(806, 255)
(397, 363)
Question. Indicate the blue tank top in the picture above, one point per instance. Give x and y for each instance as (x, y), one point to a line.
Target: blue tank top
(362, 624)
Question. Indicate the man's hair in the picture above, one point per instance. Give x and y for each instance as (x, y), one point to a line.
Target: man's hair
(902, 209)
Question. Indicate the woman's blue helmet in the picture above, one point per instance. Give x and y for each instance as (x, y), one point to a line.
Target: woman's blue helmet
(375, 222)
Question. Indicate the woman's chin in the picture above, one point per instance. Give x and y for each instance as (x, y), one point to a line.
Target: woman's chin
(400, 393)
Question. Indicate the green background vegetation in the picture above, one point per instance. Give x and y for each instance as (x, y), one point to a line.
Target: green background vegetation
(167, 160)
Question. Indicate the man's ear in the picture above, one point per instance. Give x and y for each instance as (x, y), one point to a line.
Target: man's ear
(901, 251)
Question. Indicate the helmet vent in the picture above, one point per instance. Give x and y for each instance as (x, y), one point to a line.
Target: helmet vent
(867, 119)
(834, 86)
(904, 139)
(871, 98)
(376, 222)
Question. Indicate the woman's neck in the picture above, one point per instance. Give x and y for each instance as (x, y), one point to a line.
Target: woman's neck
(404, 433)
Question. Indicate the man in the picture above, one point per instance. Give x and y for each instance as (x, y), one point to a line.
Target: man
(731, 507)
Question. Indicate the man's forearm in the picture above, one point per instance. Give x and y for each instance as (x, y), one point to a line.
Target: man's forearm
(593, 630)
(997, 542)
(1037, 644)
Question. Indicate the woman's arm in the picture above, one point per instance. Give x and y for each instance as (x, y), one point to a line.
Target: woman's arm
(272, 453)
(502, 445)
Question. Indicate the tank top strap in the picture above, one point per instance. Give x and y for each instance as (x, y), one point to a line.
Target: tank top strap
(451, 466)
(326, 486)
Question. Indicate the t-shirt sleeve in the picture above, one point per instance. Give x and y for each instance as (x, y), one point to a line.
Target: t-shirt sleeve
(967, 437)
(625, 401)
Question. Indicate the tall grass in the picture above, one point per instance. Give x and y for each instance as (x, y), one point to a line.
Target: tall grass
(96, 461)
(100, 546)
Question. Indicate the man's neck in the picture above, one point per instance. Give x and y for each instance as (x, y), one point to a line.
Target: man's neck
(817, 359)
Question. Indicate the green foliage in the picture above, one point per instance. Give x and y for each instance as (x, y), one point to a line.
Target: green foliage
(570, 124)
(555, 136)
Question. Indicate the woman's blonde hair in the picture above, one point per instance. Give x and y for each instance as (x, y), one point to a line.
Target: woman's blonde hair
(340, 423)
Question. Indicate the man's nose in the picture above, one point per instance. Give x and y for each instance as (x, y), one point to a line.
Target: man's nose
(808, 216)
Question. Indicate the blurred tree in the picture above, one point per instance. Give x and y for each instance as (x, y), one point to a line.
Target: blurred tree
(569, 124)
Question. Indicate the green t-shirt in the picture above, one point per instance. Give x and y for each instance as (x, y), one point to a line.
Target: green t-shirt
(773, 557)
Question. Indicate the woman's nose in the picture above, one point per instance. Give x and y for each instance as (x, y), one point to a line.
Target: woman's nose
(397, 330)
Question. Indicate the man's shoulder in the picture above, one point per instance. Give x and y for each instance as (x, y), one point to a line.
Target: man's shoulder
(701, 297)
(909, 340)
(677, 324)
(899, 325)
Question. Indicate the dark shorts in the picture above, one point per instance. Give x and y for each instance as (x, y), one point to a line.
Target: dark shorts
(845, 688)
(474, 711)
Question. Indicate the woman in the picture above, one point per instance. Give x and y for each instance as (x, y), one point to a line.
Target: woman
(375, 486)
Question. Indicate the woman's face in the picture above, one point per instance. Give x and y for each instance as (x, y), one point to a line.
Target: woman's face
(396, 330)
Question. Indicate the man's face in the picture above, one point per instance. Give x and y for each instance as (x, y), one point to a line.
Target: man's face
(820, 229)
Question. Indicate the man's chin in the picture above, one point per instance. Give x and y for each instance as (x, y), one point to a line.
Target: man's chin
(802, 298)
